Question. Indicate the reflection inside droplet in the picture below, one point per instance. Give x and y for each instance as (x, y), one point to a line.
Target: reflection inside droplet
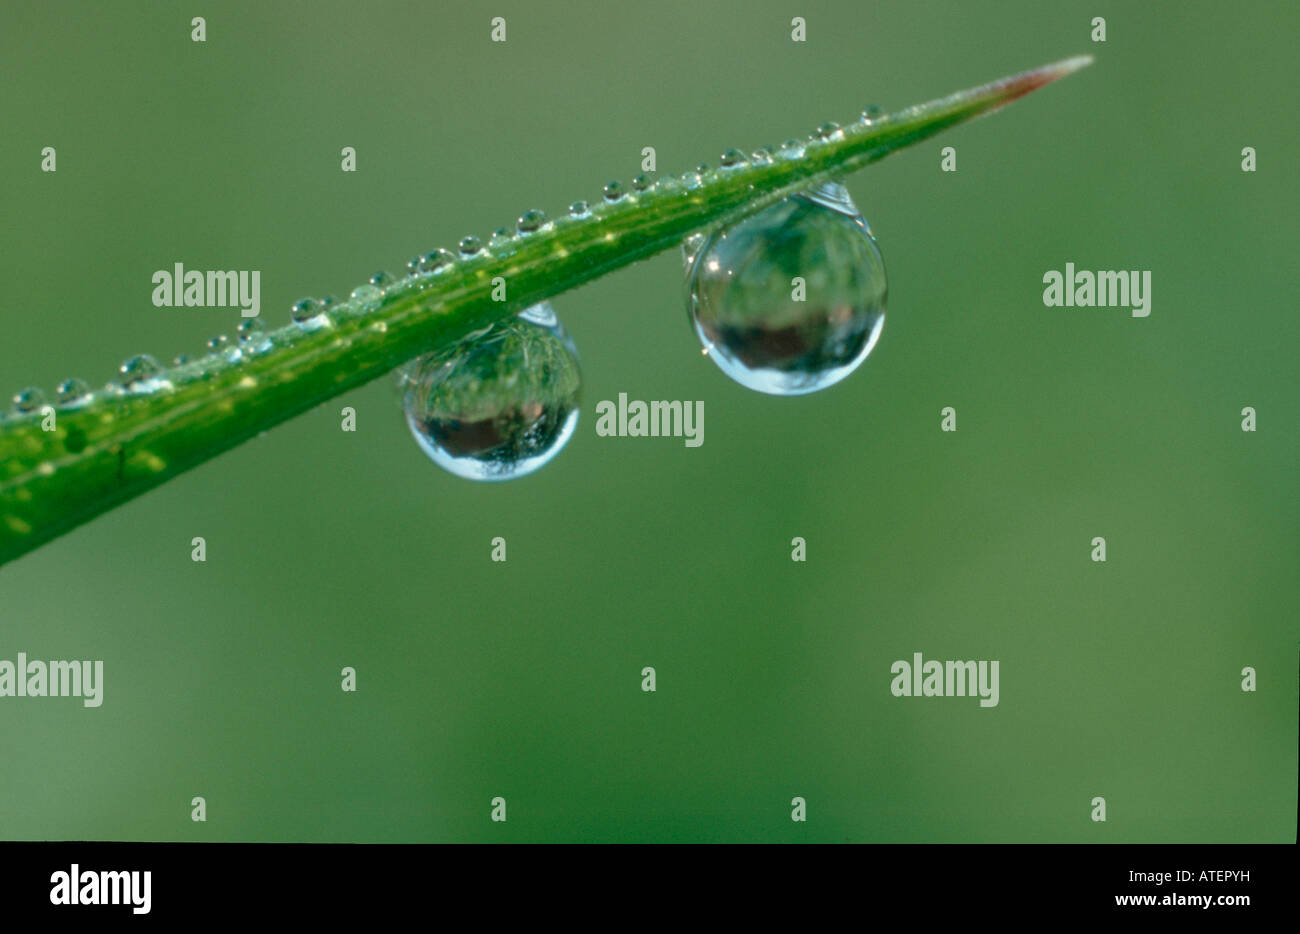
(792, 299)
(499, 404)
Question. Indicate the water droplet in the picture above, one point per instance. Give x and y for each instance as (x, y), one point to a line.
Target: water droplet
(872, 114)
(531, 221)
(579, 209)
(765, 331)
(181, 359)
(327, 302)
(829, 131)
(613, 190)
(253, 337)
(733, 158)
(761, 157)
(499, 404)
(792, 149)
(500, 237)
(28, 400)
(72, 392)
(219, 342)
(470, 246)
(305, 309)
(643, 181)
(367, 296)
(692, 180)
(381, 279)
(141, 373)
(429, 263)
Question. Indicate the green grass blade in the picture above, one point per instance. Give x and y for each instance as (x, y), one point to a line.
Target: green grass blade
(120, 445)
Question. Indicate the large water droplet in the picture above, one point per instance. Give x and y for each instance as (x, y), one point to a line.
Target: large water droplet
(499, 404)
(747, 308)
(613, 191)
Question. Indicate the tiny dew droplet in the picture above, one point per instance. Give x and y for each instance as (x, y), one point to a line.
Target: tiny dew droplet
(29, 399)
(792, 149)
(250, 329)
(770, 333)
(499, 404)
(429, 263)
(218, 342)
(500, 237)
(141, 374)
(613, 190)
(579, 209)
(304, 310)
(531, 221)
(732, 158)
(470, 246)
(829, 131)
(643, 181)
(381, 279)
(702, 168)
(367, 296)
(72, 392)
(872, 114)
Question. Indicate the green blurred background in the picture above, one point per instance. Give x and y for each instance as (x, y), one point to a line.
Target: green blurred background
(329, 549)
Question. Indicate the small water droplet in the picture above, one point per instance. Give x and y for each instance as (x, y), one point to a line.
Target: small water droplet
(470, 246)
(613, 191)
(430, 263)
(367, 296)
(733, 158)
(499, 404)
(381, 279)
(829, 131)
(579, 209)
(28, 400)
(531, 221)
(792, 149)
(304, 310)
(72, 392)
(141, 373)
(181, 359)
(872, 114)
(761, 157)
(219, 342)
(765, 331)
(702, 168)
(500, 237)
(692, 180)
(253, 337)
(643, 181)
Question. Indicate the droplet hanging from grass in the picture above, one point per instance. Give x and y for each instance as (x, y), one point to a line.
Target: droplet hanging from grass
(499, 404)
(791, 299)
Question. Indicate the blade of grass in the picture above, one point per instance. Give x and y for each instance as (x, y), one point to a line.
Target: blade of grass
(119, 445)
